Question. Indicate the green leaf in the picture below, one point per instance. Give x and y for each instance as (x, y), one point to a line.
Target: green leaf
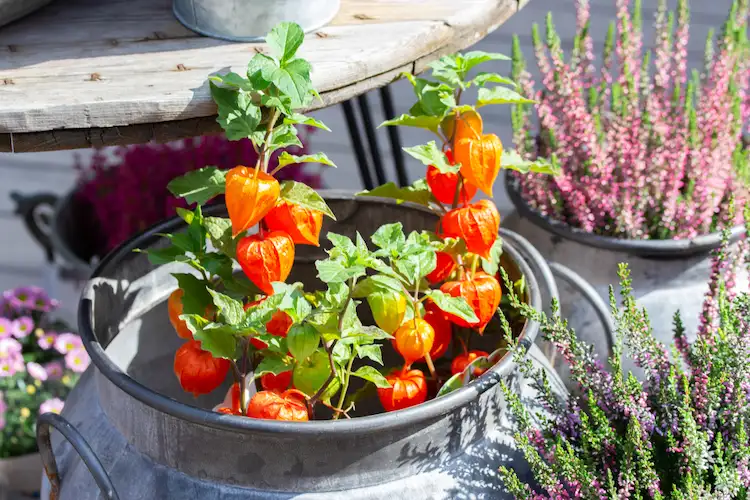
(452, 384)
(284, 40)
(217, 339)
(159, 256)
(511, 160)
(418, 193)
(239, 286)
(376, 284)
(343, 243)
(303, 195)
(289, 159)
(219, 230)
(259, 71)
(300, 119)
(195, 298)
(293, 301)
(371, 351)
(416, 264)
(483, 79)
(389, 236)
(431, 123)
(293, 79)
(232, 80)
(491, 265)
(239, 116)
(445, 70)
(334, 271)
(372, 375)
(453, 305)
(340, 354)
(280, 102)
(430, 154)
(500, 95)
(284, 136)
(325, 322)
(229, 309)
(198, 186)
(477, 57)
(217, 264)
(273, 364)
(302, 340)
(363, 335)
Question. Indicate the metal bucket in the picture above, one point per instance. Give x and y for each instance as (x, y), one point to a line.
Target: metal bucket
(136, 434)
(667, 275)
(10, 10)
(250, 20)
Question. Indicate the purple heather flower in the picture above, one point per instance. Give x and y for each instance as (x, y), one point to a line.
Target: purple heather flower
(77, 360)
(47, 340)
(6, 328)
(66, 342)
(22, 326)
(54, 405)
(37, 371)
(54, 369)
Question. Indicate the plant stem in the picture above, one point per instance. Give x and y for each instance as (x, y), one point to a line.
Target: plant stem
(431, 366)
(345, 387)
(262, 163)
(241, 383)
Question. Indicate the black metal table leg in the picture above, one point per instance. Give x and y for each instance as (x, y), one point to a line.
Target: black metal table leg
(394, 136)
(359, 149)
(372, 138)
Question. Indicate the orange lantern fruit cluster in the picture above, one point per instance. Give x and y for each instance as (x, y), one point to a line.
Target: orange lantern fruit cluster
(250, 194)
(301, 224)
(407, 388)
(482, 292)
(477, 224)
(289, 405)
(266, 259)
(197, 370)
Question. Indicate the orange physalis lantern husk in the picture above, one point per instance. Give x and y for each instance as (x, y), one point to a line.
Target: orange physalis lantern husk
(482, 292)
(249, 195)
(198, 371)
(443, 269)
(480, 160)
(302, 224)
(477, 224)
(266, 259)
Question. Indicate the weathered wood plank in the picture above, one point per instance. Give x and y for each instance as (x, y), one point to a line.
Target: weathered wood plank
(73, 70)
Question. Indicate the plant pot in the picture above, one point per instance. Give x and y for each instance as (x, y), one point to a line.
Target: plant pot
(250, 20)
(20, 477)
(134, 421)
(667, 276)
(10, 10)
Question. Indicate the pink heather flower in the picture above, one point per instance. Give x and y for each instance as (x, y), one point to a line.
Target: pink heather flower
(54, 370)
(8, 347)
(37, 371)
(23, 298)
(6, 328)
(77, 360)
(54, 405)
(47, 340)
(66, 342)
(11, 364)
(22, 327)
(3, 409)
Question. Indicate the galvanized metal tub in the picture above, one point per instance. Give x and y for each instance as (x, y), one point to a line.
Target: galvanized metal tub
(142, 437)
(10, 10)
(250, 20)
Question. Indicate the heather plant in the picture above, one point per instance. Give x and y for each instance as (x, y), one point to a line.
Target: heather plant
(40, 361)
(128, 193)
(647, 149)
(682, 433)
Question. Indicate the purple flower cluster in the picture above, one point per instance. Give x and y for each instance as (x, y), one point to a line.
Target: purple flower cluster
(128, 194)
(37, 365)
(645, 153)
(683, 432)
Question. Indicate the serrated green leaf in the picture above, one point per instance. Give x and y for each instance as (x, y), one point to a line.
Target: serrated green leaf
(284, 40)
(232, 80)
(259, 71)
(293, 301)
(418, 193)
(293, 79)
(453, 305)
(372, 375)
(343, 243)
(375, 284)
(363, 335)
(429, 154)
(257, 316)
(300, 119)
(185, 214)
(239, 286)
(159, 256)
(491, 265)
(217, 339)
(416, 264)
(333, 271)
(282, 137)
(289, 159)
(426, 122)
(483, 79)
(219, 230)
(302, 340)
(195, 298)
(229, 309)
(452, 384)
(469, 60)
(511, 160)
(341, 354)
(389, 236)
(371, 351)
(303, 195)
(238, 115)
(500, 95)
(199, 186)
(325, 322)
(216, 264)
(272, 364)
(280, 102)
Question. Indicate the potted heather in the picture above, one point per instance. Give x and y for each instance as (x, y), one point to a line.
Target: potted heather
(122, 192)
(294, 342)
(40, 361)
(649, 156)
(680, 433)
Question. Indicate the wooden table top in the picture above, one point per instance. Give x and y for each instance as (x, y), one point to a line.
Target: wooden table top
(83, 73)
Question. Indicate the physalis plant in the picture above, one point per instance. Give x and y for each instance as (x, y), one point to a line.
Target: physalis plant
(291, 351)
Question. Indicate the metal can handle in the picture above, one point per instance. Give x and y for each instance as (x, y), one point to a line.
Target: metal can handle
(32, 209)
(89, 458)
